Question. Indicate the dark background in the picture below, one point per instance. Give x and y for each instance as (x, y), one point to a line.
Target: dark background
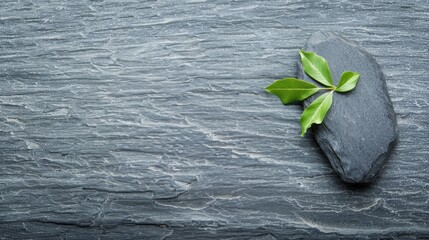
(124, 119)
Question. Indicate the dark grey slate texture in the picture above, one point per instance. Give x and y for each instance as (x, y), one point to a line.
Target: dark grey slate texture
(148, 120)
(359, 132)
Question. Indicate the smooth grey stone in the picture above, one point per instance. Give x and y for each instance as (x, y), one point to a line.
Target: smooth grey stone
(359, 131)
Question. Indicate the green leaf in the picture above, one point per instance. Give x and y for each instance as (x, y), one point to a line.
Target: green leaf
(347, 82)
(316, 111)
(291, 90)
(316, 67)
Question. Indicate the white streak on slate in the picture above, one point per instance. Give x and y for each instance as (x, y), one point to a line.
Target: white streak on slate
(125, 119)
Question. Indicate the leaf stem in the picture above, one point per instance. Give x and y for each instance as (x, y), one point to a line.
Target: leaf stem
(330, 88)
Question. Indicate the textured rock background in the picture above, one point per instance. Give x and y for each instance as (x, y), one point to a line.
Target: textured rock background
(125, 120)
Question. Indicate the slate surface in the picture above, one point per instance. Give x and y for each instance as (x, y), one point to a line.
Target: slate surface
(125, 120)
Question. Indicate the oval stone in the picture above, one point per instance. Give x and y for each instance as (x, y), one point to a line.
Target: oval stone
(360, 130)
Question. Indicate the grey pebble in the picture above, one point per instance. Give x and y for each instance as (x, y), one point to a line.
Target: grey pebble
(359, 131)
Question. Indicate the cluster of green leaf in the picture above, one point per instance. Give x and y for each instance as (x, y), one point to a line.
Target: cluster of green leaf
(291, 89)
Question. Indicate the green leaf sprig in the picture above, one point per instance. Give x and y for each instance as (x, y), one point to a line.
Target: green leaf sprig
(291, 90)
